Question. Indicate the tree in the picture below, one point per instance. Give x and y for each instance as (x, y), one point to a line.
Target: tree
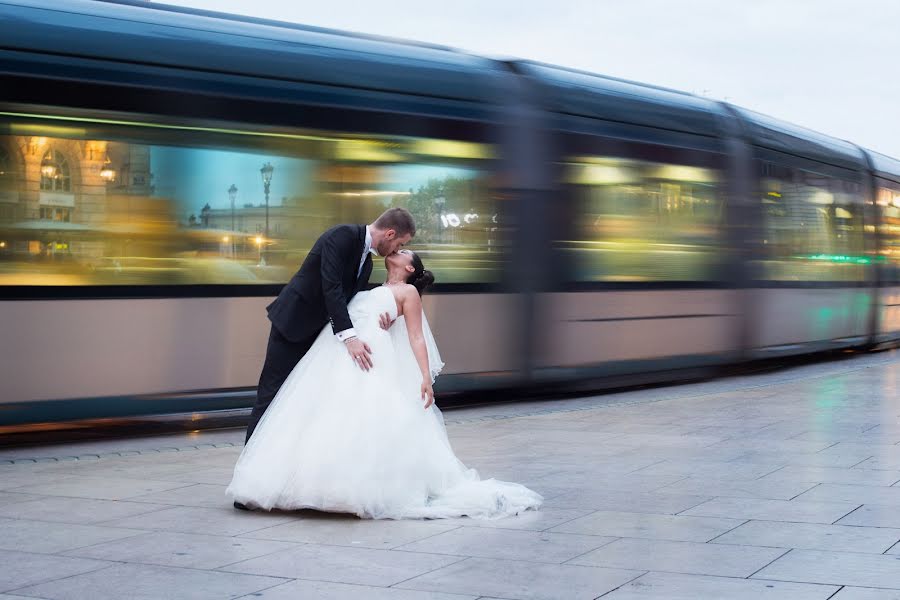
(438, 196)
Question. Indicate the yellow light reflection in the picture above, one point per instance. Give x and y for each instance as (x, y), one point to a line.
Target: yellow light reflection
(44, 130)
(451, 149)
(366, 151)
(683, 173)
(601, 175)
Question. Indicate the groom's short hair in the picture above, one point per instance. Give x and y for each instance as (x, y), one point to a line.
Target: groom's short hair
(398, 219)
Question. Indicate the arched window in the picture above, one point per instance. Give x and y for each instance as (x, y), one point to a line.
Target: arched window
(55, 173)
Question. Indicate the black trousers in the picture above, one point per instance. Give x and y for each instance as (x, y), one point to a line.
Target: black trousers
(282, 356)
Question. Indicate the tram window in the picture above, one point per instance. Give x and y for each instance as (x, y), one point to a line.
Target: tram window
(888, 203)
(640, 221)
(147, 203)
(812, 227)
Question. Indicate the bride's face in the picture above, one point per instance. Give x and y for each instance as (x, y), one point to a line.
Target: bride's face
(400, 260)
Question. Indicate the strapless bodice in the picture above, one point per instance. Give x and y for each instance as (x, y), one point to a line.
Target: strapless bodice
(366, 307)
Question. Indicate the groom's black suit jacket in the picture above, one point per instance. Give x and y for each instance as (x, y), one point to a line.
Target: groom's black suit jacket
(323, 286)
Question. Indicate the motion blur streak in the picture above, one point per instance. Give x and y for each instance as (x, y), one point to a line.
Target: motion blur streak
(164, 171)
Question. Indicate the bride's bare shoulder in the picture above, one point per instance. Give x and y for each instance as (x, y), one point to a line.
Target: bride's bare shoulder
(407, 296)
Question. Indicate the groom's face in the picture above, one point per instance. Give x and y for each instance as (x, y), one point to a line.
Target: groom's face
(391, 243)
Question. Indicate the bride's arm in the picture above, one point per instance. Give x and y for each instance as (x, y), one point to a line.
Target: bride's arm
(412, 311)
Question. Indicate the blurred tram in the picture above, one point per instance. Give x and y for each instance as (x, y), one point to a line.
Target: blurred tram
(163, 172)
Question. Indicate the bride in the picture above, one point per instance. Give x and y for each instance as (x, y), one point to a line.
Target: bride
(340, 439)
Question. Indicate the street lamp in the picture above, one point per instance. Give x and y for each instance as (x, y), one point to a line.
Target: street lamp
(232, 193)
(107, 173)
(266, 172)
(48, 167)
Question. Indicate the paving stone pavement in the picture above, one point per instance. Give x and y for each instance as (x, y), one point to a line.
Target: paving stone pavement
(782, 485)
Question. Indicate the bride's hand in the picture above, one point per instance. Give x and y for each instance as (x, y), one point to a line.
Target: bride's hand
(427, 394)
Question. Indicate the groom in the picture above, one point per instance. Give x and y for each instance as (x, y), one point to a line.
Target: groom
(337, 267)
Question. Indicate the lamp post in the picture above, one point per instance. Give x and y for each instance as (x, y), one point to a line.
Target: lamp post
(232, 194)
(266, 172)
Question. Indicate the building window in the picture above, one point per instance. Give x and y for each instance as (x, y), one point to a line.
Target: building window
(56, 213)
(55, 175)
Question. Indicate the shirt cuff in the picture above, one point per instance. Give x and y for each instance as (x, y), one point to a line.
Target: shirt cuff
(345, 334)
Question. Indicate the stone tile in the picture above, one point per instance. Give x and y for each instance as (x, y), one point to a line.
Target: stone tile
(344, 565)
(75, 510)
(189, 550)
(873, 515)
(834, 475)
(13, 480)
(532, 520)
(193, 519)
(49, 538)
(773, 510)
(155, 467)
(759, 488)
(883, 463)
(787, 446)
(714, 470)
(680, 557)
(150, 582)
(615, 500)
(858, 593)
(521, 580)
(673, 442)
(10, 498)
(858, 494)
(671, 586)
(508, 544)
(325, 590)
(213, 475)
(348, 530)
(649, 526)
(100, 488)
(199, 494)
(813, 459)
(835, 568)
(812, 536)
(626, 481)
(20, 568)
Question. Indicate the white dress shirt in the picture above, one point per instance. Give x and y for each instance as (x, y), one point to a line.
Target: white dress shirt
(367, 248)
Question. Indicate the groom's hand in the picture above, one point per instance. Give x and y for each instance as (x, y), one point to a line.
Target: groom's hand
(386, 321)
(360, 352)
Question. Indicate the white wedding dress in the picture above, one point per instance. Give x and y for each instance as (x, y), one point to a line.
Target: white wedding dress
(340, 439)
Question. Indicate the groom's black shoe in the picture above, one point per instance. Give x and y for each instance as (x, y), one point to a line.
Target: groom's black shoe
(240, 506)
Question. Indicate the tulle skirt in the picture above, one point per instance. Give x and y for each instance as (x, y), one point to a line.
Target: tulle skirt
(340, 439)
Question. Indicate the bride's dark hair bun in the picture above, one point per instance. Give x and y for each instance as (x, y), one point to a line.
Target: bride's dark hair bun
(424, 281)
(421, 278)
